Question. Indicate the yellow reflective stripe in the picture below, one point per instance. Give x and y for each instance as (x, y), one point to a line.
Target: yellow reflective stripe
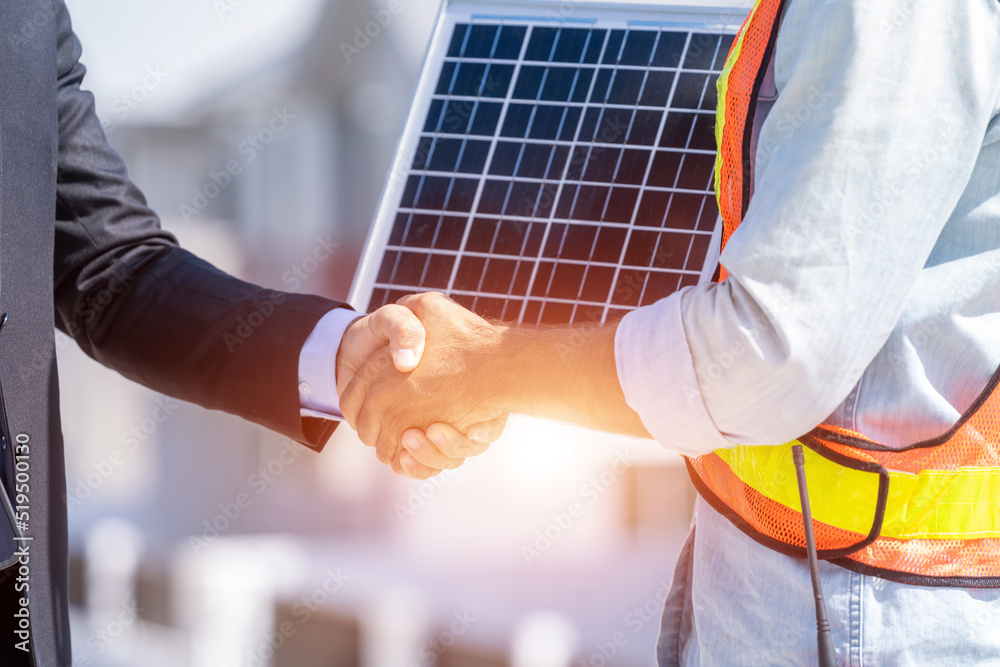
(944, 504)
(770, 471)
(722, 87)
(934, 504)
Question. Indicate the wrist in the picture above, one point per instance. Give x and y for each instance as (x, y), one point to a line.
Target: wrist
(521, 368)
(340, 349)
(556, 373)
(491, 360)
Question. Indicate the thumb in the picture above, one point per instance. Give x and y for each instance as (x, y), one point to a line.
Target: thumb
(405, 334)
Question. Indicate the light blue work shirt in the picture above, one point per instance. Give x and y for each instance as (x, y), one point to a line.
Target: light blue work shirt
(865, 293)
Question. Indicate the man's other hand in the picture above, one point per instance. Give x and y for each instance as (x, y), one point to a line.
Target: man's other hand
(394, 325)
(443, 447)
(450, 385)
(396, 334)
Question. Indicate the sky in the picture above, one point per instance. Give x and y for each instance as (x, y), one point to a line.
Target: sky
(174, 54)
(178, 52)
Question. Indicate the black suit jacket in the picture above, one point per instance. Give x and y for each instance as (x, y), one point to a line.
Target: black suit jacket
(77, 240)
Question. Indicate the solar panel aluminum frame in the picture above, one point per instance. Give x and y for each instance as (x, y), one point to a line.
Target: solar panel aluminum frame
(697, 15)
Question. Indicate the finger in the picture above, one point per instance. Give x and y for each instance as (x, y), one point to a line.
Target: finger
(369, 426)
(404, 333)
(487, 432)
(386, 449)
(370, 431)
(453, 443)
(397, 466)
(410, 467)
(422, 303)
(420, 448)
(352, 400)
(413, 302)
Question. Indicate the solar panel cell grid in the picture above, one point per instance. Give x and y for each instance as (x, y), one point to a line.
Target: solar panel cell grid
(563, 174)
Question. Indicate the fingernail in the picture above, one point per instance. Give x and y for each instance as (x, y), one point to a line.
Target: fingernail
(437, 437)
(412, 443)
(408, 460)
(405, 358)
(479, 435)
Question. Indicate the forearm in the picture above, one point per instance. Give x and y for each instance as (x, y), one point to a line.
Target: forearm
(473, 371)
(559, 373)
(178, 325)
(849, 203)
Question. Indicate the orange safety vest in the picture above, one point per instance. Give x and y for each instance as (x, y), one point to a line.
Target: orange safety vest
(926, 514)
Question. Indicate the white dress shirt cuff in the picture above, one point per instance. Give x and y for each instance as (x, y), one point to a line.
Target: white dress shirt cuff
(318, 362)
(657, 374)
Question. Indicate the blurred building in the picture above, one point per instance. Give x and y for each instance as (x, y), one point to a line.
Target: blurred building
(272, 173)
(261, 133)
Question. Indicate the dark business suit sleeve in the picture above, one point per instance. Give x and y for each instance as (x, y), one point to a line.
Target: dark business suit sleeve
(155, 313)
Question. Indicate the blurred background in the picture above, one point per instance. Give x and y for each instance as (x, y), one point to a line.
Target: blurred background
(200, 540)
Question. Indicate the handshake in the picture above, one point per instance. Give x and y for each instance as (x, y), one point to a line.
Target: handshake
(442, 388)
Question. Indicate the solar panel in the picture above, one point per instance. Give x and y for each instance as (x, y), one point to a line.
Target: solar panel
(557, 163)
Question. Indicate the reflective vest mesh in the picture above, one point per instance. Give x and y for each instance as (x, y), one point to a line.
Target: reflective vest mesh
(928, 514)
(738, 85)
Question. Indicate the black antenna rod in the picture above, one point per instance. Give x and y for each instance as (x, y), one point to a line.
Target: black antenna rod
(824, 640)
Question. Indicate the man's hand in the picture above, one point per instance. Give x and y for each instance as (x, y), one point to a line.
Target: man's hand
(394, 331)
(391, 324)
(424, 455)
(473, 371)
(449, 385)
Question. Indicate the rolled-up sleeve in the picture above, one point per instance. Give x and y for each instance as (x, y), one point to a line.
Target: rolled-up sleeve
(881, 113)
